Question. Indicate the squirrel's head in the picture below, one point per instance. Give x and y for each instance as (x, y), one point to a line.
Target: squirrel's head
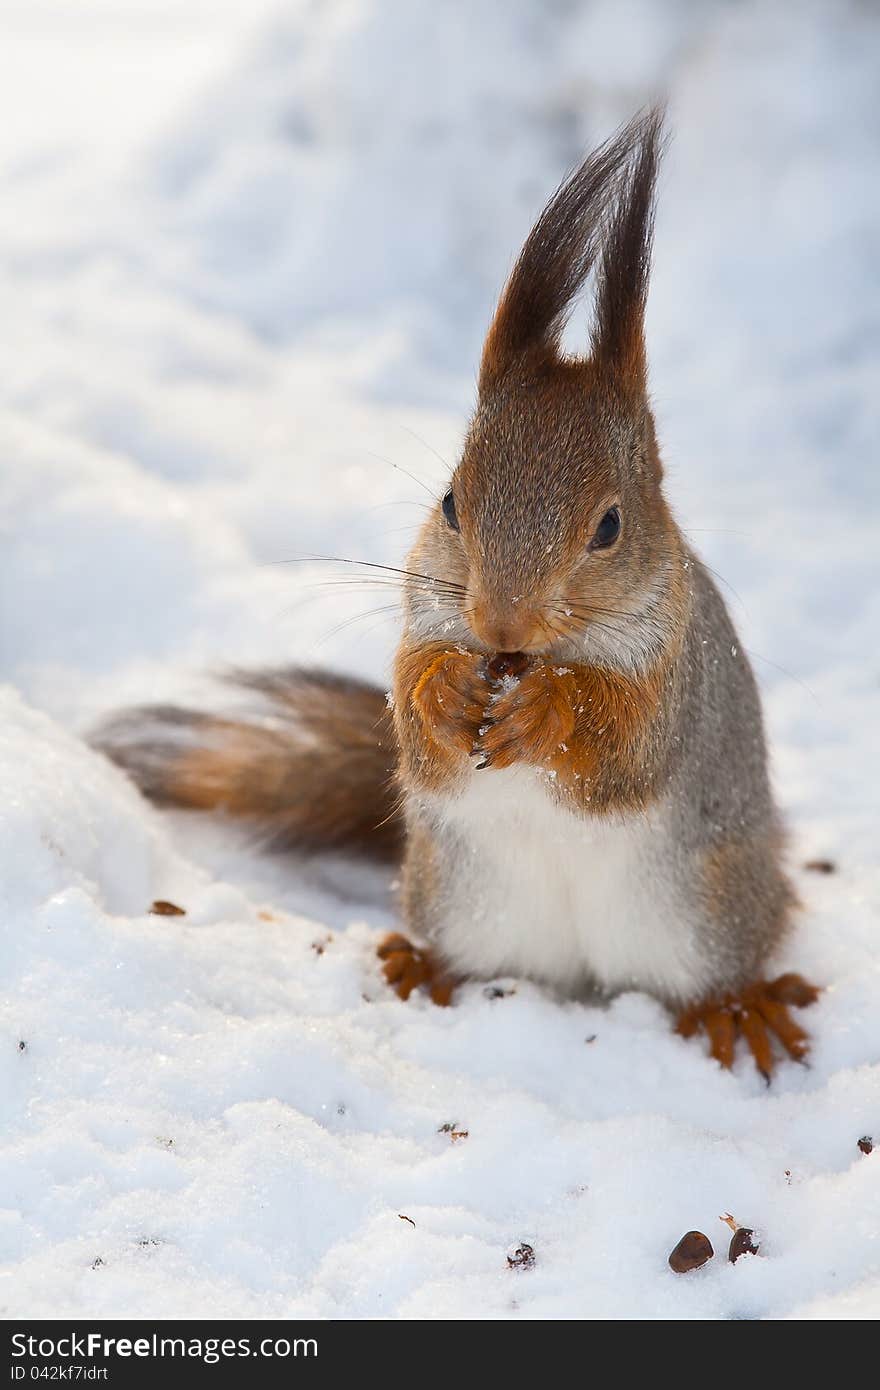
(554, 535)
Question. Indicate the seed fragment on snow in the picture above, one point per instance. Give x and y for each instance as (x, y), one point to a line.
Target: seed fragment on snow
(866, 1144)
(496, 992)
(451, 1128)
(163, 908)
(521, 1256)
(405, 1218)
(821, 866)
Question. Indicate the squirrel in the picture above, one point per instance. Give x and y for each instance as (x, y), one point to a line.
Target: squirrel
(571, 765)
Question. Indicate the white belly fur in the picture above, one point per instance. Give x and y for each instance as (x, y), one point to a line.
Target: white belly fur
(539, 891)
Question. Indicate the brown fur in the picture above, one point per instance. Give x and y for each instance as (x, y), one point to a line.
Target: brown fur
(297, 771)
(618, 337)
(729, 876)
(561, 249)
(591, 727)
(546, 449)
(438, 702)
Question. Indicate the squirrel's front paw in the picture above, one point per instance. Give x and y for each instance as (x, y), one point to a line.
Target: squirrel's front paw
(450, 697)
(528, 722)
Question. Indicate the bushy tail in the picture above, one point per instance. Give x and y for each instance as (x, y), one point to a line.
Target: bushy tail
(313, 769)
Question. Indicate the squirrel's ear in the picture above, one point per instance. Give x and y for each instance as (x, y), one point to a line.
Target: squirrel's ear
(556, 259)
(618, 340)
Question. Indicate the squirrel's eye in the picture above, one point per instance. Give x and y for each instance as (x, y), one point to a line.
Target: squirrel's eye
(607, 531)
(449, 510)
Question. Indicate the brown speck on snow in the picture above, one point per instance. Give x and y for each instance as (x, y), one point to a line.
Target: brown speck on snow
(821, 866)
(521, 1256)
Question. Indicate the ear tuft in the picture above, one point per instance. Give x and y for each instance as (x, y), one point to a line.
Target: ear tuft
(559, 254)
(618, 340)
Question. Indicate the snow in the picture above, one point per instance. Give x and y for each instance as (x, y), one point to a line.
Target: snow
(239, 281)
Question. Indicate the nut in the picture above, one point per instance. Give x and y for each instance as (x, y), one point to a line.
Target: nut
(742, 1243)
(693, 1250)
(506, 664)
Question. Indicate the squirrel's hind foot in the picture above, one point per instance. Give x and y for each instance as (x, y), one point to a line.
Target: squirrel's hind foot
(756, 1014)
(406, 967)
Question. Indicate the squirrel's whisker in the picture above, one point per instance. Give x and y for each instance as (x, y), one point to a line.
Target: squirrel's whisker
(359, 617)
(398, 468)
(413, 434)
(367, 564)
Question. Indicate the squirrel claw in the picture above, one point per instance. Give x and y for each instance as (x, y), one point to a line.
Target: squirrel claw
(406, 967)
(757, 1014)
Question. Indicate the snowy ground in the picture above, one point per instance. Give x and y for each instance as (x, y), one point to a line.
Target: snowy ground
(241, 272)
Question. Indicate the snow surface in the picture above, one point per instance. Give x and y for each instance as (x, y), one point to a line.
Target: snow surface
(233, 314)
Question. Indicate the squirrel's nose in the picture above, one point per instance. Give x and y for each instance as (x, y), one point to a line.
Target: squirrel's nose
(503, 627)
